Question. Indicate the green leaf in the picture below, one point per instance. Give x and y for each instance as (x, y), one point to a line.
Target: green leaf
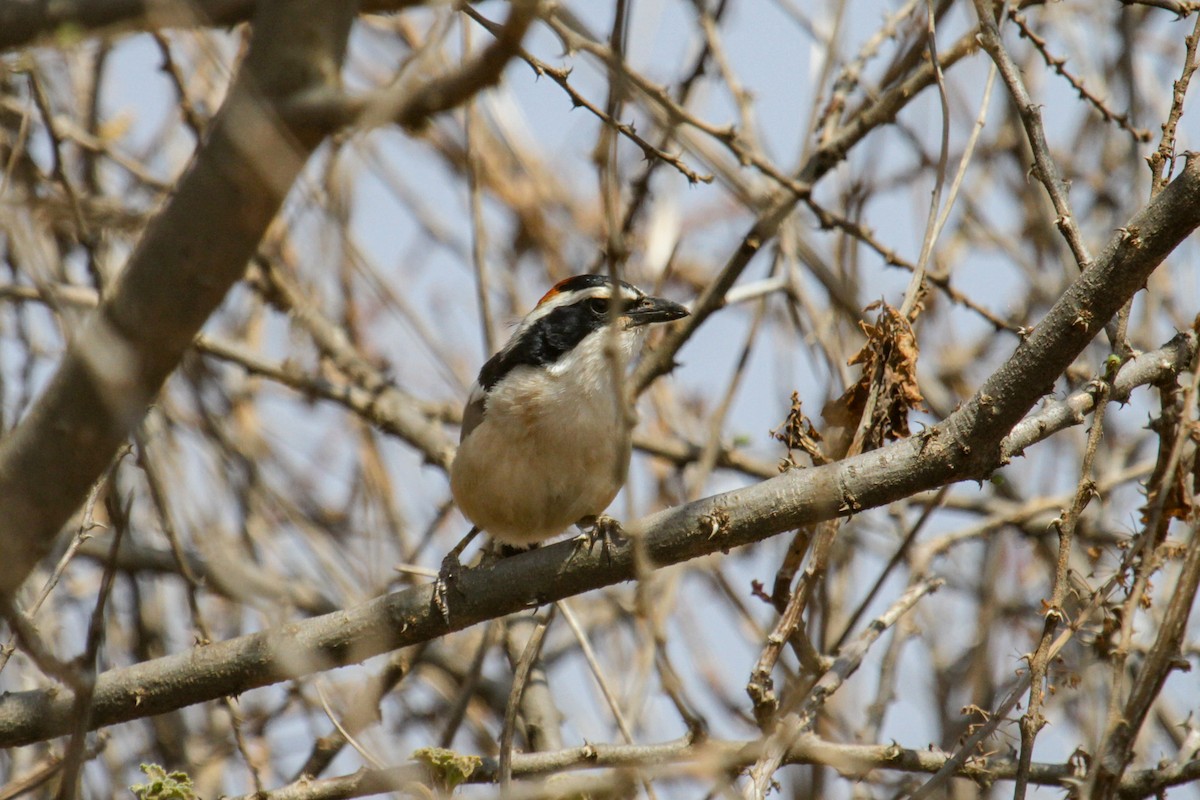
(163, 785)
(450, 767)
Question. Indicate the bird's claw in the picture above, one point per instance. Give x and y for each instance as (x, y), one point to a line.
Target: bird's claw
(603, 529)
(447, 577)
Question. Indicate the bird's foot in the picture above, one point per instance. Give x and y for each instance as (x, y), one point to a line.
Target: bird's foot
(448, 576)
(601, 529)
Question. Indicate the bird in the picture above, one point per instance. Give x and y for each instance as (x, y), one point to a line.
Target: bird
(545, 441)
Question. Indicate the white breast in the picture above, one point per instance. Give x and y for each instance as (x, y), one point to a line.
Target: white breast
(553, 447)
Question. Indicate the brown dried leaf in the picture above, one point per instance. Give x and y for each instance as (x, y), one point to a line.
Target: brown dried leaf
(890, 356)
(1179, 501)
(797, 433)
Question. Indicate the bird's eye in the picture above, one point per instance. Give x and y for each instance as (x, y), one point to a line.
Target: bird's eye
(598, 306)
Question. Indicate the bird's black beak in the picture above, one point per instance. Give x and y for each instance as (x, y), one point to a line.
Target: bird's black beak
(654, 309)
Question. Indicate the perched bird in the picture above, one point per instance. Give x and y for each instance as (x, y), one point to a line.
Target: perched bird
(545, 442)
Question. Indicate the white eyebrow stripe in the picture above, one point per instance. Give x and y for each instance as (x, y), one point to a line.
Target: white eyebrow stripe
(570, 298)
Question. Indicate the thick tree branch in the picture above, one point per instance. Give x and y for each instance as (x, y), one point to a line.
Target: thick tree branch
(412, 106)
(25, 22)
(967, 445)
(195, 249)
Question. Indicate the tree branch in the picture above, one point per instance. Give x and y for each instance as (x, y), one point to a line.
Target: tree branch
(718, 757)
(193, 251)
(24, 22)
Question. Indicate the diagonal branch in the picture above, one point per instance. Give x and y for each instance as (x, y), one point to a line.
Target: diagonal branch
(192, 253)
(797, 721)
(1031, 117)
(412, 106)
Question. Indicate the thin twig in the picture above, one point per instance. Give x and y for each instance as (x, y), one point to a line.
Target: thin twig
(520, 680)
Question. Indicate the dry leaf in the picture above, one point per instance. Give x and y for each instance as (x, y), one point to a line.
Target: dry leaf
(889, 355)
(797, 433)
